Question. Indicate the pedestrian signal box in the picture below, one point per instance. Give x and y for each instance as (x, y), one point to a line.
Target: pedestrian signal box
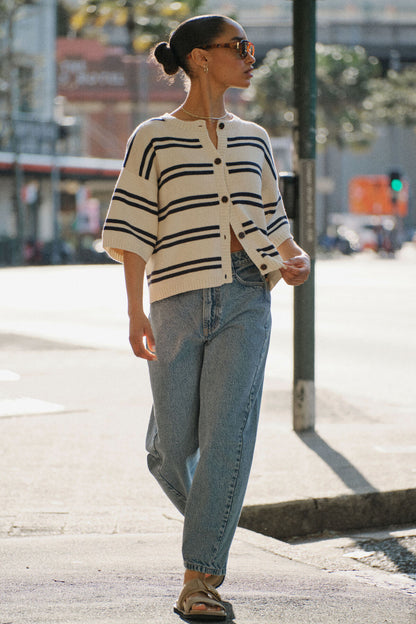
(379, 195)
(396, 182)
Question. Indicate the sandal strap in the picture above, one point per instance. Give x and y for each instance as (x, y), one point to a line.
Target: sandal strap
(195, 586)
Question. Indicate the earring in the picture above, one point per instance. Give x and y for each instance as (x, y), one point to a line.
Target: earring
(205, 69)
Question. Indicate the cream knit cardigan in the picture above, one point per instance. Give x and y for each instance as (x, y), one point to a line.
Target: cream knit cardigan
(177, 196)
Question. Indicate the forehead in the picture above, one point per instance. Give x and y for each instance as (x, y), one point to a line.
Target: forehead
(232, 32)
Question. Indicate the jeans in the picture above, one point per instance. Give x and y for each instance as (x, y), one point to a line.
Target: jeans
(207, 382)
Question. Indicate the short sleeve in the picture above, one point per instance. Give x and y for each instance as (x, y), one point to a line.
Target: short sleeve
(278, 228)
(132, 218)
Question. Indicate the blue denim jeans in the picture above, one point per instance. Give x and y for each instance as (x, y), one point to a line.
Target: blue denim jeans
(207, 383)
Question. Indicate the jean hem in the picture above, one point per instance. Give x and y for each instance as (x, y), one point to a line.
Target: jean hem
(197, 567)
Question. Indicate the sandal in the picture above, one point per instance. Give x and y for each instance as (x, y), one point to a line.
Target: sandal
(188, 599)
(215, 580)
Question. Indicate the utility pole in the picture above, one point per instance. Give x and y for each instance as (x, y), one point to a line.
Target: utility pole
(304, 39)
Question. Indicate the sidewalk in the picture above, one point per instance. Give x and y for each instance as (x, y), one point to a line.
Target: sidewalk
(87, 537)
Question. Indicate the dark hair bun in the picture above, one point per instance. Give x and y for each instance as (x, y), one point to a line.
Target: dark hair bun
(166, 57)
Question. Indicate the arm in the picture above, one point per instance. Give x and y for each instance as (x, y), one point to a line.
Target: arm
(297, 263)
(140, 328)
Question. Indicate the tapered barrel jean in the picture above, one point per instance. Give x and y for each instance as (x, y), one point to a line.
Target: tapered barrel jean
(211, 347)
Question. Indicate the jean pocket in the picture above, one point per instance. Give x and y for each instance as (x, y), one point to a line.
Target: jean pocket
(249, 275)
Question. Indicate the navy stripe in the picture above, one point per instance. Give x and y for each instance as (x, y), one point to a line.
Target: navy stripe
(197, 202)
(240, 194)
(131, 227)
(134, 204)
(246, 170)
(139, 199)
(184, 166)
(246, 202)
(244, 167)
(269, 251)
(240, 198)
(275, 225)
(129, 148)
(187, 240)
(191, 231)
(126, 231)
(247, 141)
(163, 244)
(134, 196)
(185, 173)
(207, 268)
(153, 144)
(192, 268)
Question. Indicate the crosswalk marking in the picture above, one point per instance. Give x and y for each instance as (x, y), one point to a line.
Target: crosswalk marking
(8, 375)
(26, 406)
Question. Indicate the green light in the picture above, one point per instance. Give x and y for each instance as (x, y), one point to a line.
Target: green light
(396, 185)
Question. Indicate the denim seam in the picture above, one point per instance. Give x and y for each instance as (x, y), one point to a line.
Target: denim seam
(240, 447)
(178, 494)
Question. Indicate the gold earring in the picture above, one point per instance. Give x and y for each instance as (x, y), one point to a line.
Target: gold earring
(205, 69)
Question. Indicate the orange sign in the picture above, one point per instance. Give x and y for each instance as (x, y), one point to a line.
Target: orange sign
(372, 195)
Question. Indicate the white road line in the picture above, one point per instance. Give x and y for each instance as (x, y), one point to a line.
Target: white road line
(8, 375)
(26, 406)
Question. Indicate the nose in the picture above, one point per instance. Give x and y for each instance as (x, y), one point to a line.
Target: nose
(250, 58)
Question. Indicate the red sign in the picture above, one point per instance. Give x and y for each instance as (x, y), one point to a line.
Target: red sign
(372, 195)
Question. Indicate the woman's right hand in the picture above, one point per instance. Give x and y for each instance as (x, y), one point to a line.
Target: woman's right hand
(141, 330)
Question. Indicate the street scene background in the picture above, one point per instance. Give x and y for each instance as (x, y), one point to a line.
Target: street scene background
(86, 535)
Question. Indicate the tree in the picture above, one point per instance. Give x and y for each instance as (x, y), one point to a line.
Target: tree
(343, 77)
(146, 21)
(392, 100)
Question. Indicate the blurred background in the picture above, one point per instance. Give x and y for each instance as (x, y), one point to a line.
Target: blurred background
(75, 80)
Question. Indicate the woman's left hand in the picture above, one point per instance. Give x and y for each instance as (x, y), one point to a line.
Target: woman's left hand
(296, 270)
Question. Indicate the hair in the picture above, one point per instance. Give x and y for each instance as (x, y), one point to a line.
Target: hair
(195, 32)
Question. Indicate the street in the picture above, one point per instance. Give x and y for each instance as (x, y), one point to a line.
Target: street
(365, 323)
(74, 405)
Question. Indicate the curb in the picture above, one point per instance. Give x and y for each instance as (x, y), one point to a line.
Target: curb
(311, 516)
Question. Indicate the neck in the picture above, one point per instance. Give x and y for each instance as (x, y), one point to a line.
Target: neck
(204, 104)
(206, 117)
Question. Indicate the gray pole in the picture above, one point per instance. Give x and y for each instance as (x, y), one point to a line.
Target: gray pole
(304, 36)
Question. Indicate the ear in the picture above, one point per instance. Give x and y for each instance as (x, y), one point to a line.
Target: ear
(198, 57)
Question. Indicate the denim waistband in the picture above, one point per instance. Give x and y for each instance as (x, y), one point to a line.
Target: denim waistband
(239, 258)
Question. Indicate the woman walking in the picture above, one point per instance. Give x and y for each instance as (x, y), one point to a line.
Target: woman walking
(197, 208)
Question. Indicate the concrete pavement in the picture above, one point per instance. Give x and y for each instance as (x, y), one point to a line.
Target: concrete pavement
(88, 537)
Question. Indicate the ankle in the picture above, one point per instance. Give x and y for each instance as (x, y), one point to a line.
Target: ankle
(190, 575)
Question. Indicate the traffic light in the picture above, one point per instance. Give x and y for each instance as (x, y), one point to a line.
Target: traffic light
(288, 184)
(396, 182)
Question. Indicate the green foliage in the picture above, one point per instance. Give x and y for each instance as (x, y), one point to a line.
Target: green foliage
(343, 77)
(146, 21)
(392, 100)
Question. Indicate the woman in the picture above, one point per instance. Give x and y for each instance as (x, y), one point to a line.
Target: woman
(197, 208)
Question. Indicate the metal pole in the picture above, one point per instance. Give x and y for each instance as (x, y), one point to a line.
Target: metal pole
(304, 38)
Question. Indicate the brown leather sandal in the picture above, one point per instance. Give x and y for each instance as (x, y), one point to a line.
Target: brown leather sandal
(215, 580)
(188, 599)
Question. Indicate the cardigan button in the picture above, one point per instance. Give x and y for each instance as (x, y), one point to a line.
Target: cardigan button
(217, 161)
(224, 199)
(221, 126)
(263, 267)
(241, 235)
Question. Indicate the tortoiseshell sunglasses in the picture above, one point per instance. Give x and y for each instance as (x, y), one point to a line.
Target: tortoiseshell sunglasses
(243, 47)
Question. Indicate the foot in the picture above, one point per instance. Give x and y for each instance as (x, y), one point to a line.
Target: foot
(199, 607)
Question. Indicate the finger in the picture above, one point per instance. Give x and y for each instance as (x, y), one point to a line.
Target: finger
(140, 350)
(150, 339)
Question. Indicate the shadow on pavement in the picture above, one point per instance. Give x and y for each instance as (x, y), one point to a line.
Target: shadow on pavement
(337, 462)
(381, 552)
(229, 612)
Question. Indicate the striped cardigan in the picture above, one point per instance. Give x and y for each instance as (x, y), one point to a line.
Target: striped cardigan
(177, 195)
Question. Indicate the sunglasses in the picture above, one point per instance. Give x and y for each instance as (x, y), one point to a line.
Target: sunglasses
(243, 47)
